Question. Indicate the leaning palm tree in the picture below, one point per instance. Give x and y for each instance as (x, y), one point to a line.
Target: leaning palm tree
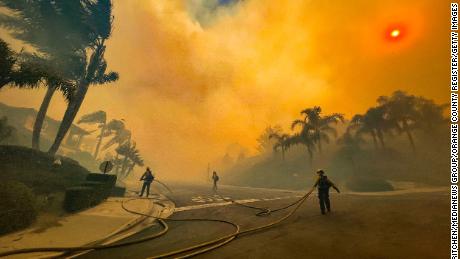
(136, 160)
(320, 125)
(282, 142)
(120, 135)
(16, 72)
(99, 20)
(130, 158)
(58, 30)
(99, 118)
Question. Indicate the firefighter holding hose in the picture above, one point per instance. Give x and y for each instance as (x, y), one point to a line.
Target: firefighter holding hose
(148, 178)
(323, 184)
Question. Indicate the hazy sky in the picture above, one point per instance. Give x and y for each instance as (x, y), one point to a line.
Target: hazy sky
(197, 76)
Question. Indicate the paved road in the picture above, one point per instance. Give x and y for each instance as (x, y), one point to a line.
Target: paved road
(409, 225)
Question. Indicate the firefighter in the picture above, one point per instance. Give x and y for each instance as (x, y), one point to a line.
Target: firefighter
(148, 178)
(215, 179)
(323, 184)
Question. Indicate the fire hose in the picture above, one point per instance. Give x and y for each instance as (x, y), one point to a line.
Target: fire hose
(199, 248)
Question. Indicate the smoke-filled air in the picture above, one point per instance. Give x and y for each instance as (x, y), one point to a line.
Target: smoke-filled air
(182, 128)
(199, 79)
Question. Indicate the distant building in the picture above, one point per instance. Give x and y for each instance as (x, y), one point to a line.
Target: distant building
(23, 120)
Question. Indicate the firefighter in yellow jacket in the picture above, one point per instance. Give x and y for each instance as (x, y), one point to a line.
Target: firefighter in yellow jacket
(323, 184)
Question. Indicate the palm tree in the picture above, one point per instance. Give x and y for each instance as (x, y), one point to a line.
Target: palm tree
(265, 143)
(17, 72)
(131, 158)
(99, 118)
(59, 32)
(100, 21)
(362, 126)
(430, 115)
(373, 122)
(136, 159)
(282, 142)
(351, 144)
(401, 111)
(120, 134)
(320, 125)
(305, 137)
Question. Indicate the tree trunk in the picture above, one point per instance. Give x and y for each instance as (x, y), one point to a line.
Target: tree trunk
(320, 146)
(380, 137)
(69, 116)
(124, 165)
(117, 167)
(282, 153)
(409, 135)
(374, 138)
(310, 155)
(38, 124)
(96, 152)
(77, 99)
(130, 169)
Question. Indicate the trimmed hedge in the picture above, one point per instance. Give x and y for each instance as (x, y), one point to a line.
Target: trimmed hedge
(369, 185)
(93, 191)
(78, 198)
(99, 192)
(118, 191)
(108, 181)
(17, 206)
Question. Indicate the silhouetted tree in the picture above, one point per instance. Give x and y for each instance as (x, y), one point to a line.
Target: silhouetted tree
(99, 21)
(430, 116)
(401, 111)
(99, 118)
(59, 31)
(320, 126)
(373, 122)
(283, 142)
(305, 137)
(265, 143)
(350, 144)
(16, 72)
(131, 158)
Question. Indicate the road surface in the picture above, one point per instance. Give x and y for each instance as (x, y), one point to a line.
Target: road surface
(406, 225)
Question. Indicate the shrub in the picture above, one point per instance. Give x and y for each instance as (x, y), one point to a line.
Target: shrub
(369, 185)
(100, 191)
(78, 198)
(35, 169)
(17, 206)
(108, 180)
(118, 191)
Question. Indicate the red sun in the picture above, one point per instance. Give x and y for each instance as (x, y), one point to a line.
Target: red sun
(395, 33)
